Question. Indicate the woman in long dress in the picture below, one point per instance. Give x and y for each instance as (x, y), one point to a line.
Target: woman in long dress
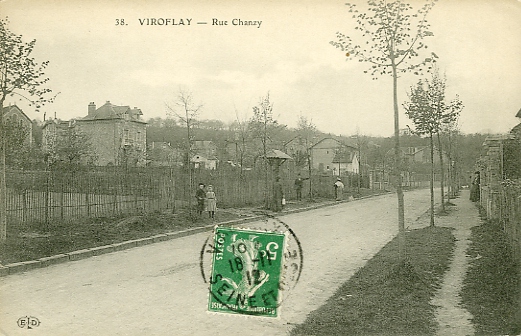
(211, 202)
(474, 188)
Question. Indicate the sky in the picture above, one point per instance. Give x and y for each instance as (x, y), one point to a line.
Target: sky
(228, 68)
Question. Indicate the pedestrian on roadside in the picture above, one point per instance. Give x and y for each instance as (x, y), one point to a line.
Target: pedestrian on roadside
(339, 189)
(211, 202)
(278, 195)
(299, 183)
(200, 195)
(474, 187)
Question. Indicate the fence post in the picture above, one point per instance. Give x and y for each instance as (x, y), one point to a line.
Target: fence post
(46, 198)
(61, 200)
(24, 205)
(87, 203)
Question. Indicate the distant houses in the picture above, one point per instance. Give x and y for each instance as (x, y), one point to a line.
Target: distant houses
(14, 114)
(331, 155)
(117, 134)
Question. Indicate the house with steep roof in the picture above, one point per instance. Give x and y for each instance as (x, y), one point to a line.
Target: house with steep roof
(331, 155)
(422, 154)
(345, 161)
(52, 130)
(14, 114)
(117, 133)
(201, 162)
(204, 154)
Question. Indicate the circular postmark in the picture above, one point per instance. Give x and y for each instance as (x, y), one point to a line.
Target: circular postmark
(250, 269)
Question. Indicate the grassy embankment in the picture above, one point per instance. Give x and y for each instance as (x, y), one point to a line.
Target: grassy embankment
(491, 287)
(385, 298)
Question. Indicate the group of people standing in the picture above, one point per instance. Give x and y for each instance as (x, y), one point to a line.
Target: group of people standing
(299, 183)
(206, 200)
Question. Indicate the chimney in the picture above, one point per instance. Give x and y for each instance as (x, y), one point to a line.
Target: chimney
(92, 109)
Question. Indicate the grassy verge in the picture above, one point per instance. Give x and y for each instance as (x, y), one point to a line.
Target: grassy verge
(37, 241)
(491, 286)
(385, 297)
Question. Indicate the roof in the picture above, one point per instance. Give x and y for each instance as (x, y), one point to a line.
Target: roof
(516, 129)
(337, 143)
(57, 122)
(342, 157)
(200, 144)
(10, 108)
(277, 154)
(518, 115)
(111, 111)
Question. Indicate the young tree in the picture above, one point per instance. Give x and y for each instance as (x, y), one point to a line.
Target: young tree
(15, 142)
(262, 126)
(394, 38)
(429, 112)
(20, 75)
(187, 111)
(308, 131)
(451, 135)
(241, 137)
(71, 148)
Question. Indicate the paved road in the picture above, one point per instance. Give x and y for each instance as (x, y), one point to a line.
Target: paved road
(158, 290)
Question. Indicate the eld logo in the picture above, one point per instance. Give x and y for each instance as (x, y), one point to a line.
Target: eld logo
(28, 322)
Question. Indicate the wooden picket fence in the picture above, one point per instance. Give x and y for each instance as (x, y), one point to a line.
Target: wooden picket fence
(67, 195)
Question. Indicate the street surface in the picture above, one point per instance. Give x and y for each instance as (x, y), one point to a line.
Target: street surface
(158, 289)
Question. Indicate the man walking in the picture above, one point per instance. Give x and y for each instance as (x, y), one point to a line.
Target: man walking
(299, 183)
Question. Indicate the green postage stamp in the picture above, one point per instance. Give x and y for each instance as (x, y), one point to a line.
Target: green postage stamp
(246, 271)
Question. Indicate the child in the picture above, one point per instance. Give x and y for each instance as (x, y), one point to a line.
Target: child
(211, 205)
(200, 195)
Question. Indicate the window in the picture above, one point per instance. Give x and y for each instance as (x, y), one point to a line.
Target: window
(126, 136)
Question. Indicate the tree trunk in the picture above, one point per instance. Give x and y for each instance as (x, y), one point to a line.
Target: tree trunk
(188, 159)
(3, 185)
(442, 172)
(309, 171)
(432, 178)
(397, 158)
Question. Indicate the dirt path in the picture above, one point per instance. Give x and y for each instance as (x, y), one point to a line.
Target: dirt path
(452, 318)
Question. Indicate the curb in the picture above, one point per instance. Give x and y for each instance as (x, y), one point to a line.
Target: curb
(20, 267)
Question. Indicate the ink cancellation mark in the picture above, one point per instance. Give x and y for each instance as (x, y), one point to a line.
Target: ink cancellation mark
(251, 270)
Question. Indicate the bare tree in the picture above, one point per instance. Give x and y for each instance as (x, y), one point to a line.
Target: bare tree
(307, 130)
(393, 38)
(262, 126)
(241, 138)
(19, 75)
(187, 111)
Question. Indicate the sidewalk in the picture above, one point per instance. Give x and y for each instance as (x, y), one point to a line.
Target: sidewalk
(451, 317)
